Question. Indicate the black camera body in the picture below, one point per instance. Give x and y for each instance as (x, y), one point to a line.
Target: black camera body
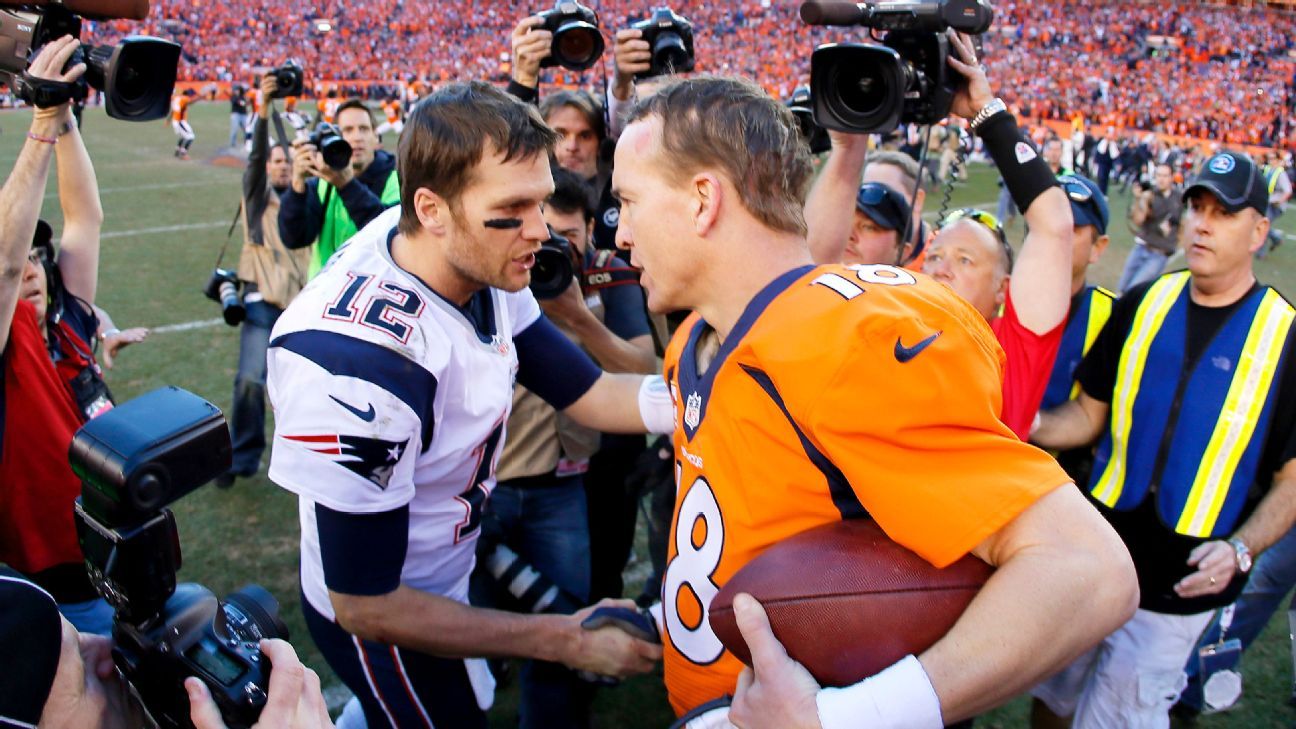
(869, 88)
(802, 107)
(223, 288)
(137, 76)
(556, 265)
(577, 42)
(290, 80)
(328, 140)
(670, 36)
(133, 461)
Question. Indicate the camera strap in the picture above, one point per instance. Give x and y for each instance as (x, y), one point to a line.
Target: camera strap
(44, 93)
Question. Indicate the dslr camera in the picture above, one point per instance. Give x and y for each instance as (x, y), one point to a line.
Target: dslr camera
(670, 36)
(223, 288)
(556, 264)
(290, 80)
(577, 42)
(136, 76)
(802, 108)
(870, 88)
(133, 461)
(328, 140)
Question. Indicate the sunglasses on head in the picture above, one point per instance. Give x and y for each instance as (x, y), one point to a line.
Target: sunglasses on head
(872, 193)
(38, 256)
(1076, 190)
(985, 219)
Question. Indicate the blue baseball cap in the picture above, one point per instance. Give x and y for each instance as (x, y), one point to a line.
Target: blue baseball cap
(1088, 203)
(883, 205)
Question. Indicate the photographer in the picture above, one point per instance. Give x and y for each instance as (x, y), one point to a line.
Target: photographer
(272, 274)
(1155, 216)
(326, 206)
(68, 678)
(539, 506)
(52, 384)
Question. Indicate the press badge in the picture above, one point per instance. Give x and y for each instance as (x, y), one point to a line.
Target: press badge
(1217, 665)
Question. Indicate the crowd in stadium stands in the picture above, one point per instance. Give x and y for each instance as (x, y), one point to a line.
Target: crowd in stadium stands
(1222, 74)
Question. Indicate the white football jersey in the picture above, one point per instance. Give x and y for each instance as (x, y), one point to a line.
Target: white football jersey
(385, 394)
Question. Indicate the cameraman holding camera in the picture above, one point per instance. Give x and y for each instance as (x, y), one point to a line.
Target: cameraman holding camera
(327, 205)
(51, 382)
(272, 274)
(1155, 215)
(68, 679)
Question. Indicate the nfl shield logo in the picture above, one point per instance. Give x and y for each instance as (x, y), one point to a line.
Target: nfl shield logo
(693, 410)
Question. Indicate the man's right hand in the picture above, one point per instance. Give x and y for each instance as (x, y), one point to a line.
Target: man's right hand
(269, 85)
(294, 702)
(608, 651)
(632, 55)
(531, 45)
(303, 164)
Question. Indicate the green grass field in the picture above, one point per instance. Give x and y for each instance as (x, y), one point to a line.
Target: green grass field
(165, 223)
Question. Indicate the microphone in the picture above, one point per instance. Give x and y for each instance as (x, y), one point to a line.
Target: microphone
(96, 9)
(820, 12)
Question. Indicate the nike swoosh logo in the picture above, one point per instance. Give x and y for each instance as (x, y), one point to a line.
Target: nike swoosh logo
(904, 354)
(365, 415)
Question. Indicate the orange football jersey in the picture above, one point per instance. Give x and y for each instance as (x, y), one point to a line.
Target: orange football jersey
(180, 108)
(842, 392)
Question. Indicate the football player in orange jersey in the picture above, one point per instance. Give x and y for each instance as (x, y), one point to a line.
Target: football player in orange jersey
(807, 395)
(180, 122)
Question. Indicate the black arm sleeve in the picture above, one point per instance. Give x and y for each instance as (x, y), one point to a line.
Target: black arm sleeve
(523, 93)
(254, 180)
(361, 203)
(551, 366)
(301, 215)
(362, 554)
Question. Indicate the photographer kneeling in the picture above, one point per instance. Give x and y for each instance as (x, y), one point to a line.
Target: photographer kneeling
(68, 679)
(327, 204)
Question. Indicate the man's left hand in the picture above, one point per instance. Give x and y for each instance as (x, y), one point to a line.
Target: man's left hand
(115, 342)
(567, 308)
(775, 691)
(1216, 563)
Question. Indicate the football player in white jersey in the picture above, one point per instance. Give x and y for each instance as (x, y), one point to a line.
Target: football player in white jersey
(391, 378)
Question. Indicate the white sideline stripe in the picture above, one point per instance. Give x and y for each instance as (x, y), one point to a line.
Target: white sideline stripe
(187, 326)
(164, 229)
(53, 194)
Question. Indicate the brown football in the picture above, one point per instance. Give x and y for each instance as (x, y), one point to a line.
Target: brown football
(847, 602)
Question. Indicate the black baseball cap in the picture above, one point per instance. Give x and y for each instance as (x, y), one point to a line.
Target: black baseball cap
(44, 238)
(883, 205)
(31, 638)
(1234, 179)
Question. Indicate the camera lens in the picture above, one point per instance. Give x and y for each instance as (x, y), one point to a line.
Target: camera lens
(552, 273)
(252, 613)
(862, 91)
(577, 46)
(669, 52)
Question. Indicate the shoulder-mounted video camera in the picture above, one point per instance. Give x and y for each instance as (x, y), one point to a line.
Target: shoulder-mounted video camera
(137, 76)
(870, 88)
(133, 461)
(577, 42)
(670, 36)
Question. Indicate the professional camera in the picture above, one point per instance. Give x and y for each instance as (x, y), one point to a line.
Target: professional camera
(290, 80)
(328, 140)
(815, 136)
(222, 288)
(556, 264)
(670, 36)
(136, 76)
(133, 461)
(577, 42)
(866, 88)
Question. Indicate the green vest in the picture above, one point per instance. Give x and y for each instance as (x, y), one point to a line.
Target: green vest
(338, 227)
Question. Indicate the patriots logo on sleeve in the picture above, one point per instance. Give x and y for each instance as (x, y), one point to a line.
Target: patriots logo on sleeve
(369, 458)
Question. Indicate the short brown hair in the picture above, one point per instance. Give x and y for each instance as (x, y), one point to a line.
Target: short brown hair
(733, 125)
(354, 103)
(445, 138)
(907, 165)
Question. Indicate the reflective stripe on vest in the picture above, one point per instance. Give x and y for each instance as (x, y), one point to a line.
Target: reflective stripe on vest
(338, 227)
(1082, 330)
(1271, 175)
(1194, 437)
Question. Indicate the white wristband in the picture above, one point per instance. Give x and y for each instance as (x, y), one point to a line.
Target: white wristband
(655, 407)
(901, 697)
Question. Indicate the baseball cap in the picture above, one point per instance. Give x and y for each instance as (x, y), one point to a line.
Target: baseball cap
(1088, 203)
(883, 205)
(44, 238)
(31, 636)
(1235, 180)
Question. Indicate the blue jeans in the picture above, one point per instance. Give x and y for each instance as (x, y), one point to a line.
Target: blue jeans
(247, 414)
(1272, 578)
(1143, 264)
(92, 616)
(547, 526)
(1006, 208)
(238, 129)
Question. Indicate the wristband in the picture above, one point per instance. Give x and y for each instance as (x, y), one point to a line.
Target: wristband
(901, 697)
(1024, 171)
(522, 92)
(39, 138)
(103, 336)
(655, 406)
